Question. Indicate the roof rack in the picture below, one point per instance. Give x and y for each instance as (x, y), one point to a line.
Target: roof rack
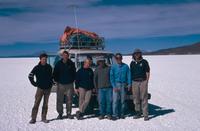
(84, 44)
(82, 47)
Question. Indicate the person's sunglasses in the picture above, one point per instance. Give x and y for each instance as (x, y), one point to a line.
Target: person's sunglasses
(137, 53)
(118, 58)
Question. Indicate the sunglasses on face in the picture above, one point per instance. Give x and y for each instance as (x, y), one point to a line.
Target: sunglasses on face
(118, 58)
(137, 53)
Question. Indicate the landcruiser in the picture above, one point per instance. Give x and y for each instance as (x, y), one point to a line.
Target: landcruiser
(82, 44)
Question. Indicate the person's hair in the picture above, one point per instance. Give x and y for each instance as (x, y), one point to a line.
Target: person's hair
(118, 54)
(67, 29)
(98, 62)
(43, 55)
(86, 61)
(89, 57)
(66, 52)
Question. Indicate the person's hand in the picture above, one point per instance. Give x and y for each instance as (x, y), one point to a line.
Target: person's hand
(56, 83)
(34, 84)
(147, 82)
(116, 89)
(76, 91)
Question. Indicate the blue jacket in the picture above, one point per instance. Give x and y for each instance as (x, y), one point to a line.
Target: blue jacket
(120, 73)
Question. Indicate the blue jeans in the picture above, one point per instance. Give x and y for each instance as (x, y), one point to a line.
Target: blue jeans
(105, 101)
(119, 101)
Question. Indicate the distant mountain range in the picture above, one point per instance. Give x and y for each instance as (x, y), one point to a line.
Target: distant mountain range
(188, 49)
(183, 50)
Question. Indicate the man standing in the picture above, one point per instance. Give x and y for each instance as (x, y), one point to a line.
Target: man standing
(43, 74)
(120, 78)
(102, 83)
(140, 72)
(64, 76)
(84, 87)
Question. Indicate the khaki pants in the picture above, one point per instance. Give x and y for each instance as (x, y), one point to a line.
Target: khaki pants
(38, 97)
(61, 91)
(140, 96)
(84, 99)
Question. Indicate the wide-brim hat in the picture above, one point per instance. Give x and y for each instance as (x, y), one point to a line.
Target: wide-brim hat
(137, 51)
(100, 58)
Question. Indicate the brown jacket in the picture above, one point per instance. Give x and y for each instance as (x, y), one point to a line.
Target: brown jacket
(102, 77)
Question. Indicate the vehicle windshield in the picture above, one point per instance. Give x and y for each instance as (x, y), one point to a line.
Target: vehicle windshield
(94, 57)
(52, 60)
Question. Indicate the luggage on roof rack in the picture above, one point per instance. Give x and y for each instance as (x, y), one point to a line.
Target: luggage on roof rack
(76, 38)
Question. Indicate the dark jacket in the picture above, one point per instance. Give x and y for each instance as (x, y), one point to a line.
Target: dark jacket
(84, 78)
(64, 73)
(102, 77)
(43, 74)
(139, 70)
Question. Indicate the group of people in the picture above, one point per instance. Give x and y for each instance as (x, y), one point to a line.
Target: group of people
(111, 82)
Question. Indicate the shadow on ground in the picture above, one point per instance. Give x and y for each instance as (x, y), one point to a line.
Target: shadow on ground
(154, 111)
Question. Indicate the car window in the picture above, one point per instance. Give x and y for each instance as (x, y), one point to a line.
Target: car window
(52, 60)
(82, 57)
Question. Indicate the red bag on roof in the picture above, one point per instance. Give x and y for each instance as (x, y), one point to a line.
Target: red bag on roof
(70, 31)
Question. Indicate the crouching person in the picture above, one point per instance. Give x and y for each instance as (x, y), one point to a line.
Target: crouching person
(84, 87)
(43, 74)
(102, 83)
(120, 79)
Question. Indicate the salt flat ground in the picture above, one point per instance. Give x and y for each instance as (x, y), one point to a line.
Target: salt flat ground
(175, 103)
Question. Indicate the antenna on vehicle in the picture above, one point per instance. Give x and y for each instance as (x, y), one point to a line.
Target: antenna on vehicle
(76, 22)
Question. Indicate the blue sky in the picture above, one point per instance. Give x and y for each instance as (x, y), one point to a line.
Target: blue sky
(29, 26)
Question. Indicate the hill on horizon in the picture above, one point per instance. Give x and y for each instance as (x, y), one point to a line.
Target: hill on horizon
(187, 49)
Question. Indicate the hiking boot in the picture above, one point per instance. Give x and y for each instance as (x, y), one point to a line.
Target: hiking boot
(146, 118)
(115, 118)
(32, 121)
(45, 121)
(109, 117)
(101, 117)
(69, 116)
(122, 117)
(79, 115)
(60, 117)
(137, 116)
